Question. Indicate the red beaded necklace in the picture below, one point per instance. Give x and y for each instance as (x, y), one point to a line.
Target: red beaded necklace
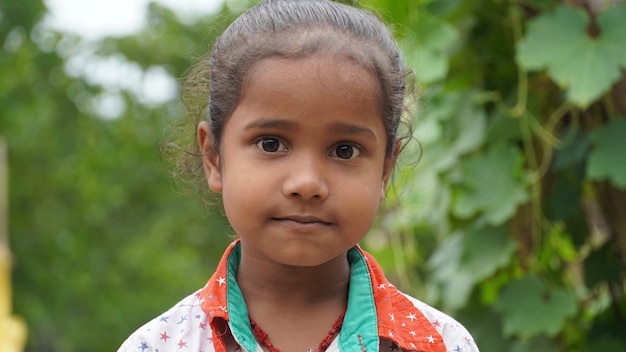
(264, 340)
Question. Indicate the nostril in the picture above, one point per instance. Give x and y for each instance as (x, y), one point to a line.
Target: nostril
(306, 190)
(303, 195)
(305, 181)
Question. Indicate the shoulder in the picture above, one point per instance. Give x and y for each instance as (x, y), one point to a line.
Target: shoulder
(455, 336)
(183, 325)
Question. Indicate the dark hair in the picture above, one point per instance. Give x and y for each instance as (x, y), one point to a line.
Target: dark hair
(294, 29)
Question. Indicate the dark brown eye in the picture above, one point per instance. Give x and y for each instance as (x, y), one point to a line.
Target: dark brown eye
(269, 145)
(345, 151)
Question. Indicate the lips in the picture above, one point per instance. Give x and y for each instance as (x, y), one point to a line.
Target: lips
(302, 220)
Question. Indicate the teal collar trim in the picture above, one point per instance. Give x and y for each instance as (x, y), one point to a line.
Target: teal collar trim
(239, 320)
(360, 327)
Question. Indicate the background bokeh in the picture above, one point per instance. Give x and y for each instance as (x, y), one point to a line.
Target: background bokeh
(513, 221)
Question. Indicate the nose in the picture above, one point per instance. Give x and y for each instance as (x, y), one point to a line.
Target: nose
(306, 180)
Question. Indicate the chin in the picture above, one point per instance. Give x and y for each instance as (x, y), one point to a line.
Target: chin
(306, 260)
(302, 262)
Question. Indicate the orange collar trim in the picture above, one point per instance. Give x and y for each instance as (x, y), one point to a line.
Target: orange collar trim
(398, 320)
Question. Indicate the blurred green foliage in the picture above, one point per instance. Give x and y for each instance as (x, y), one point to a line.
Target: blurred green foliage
(513, 220)
(102, 237)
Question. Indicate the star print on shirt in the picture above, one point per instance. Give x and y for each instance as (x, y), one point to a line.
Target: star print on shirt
(404, 323)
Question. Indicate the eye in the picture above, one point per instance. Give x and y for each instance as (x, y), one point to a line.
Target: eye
(345, 151)
(270, 145)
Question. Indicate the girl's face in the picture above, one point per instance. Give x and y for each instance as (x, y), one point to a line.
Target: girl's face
(302, 166)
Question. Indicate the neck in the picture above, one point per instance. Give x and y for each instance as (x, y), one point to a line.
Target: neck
(275, 284)
(294, 307)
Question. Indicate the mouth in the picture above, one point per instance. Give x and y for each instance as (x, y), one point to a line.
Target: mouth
(302, 220)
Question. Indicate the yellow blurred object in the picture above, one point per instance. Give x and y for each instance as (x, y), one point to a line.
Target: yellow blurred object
(12, 329)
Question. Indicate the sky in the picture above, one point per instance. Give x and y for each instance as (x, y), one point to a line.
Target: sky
(95, 19)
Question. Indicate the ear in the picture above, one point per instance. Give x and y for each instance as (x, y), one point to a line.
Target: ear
(210, 157)
(390, 163)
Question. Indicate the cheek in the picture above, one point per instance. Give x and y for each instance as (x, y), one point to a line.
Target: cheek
(238, 207)
(363, 199)
(239, 191)
(243, 195)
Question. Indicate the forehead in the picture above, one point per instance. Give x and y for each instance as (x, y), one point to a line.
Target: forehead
(314, 94)
(324, 73)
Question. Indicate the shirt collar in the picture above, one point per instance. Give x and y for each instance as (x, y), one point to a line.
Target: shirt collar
(376, 309)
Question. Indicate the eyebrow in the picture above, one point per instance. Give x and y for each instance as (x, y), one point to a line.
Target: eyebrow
(335, 128)
(348, 128)
(270, 123)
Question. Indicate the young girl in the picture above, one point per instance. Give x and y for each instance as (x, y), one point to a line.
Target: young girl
(300, 138)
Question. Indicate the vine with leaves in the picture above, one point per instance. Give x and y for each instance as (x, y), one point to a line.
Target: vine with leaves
(516, 214)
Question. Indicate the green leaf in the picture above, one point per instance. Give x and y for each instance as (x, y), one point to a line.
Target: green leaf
(612, 26)
(585, 66)
(537, 343)
(501, 127)
(531, 308)
(606, 160)
(573, 152)
(430, 65)
(491, 184)
(486, 326)
(607, 344)
(425, 200)
(471, 125)
(485, 250)
(462, 260)
(602, 265)
(455, 286)
(453, 124)
(429, 52)
(560, 243)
